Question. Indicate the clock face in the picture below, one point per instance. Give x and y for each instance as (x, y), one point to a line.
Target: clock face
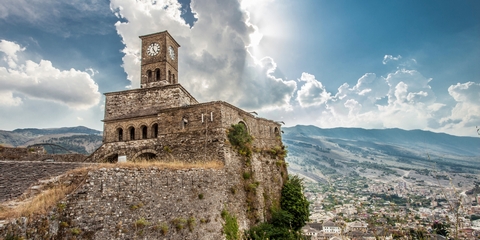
(153, 49)
(171, 52)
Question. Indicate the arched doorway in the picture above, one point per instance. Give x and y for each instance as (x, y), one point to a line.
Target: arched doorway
(112, 158)
(148, 156)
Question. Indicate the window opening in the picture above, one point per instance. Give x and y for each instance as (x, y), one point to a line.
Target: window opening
(149, 76)
(144, 132)
(157, 74)
(155, 130)
(132, 133)
(119, 134)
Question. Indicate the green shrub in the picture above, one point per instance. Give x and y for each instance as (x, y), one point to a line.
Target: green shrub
(200, 196)
(162, 227)
(76, 231)
(230, 228)
(141, 222)
(61, 206)
(179, 223)
(246, 175)
(191, 223)
(167, 149)
(252, 187)
(240, 139)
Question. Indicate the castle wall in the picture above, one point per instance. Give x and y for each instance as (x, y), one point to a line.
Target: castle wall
(190, 133)
(265, 132)
(112, 201)
(37, 154)
(138, 102)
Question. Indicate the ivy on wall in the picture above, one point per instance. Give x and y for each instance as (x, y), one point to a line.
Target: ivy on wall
(240, 139)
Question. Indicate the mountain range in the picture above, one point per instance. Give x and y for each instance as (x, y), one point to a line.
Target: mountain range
(77, 139)
(381, 154)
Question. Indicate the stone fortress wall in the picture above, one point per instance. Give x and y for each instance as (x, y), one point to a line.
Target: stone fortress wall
(37, 154)
(189, 133)
(111, 202)
(144, 101)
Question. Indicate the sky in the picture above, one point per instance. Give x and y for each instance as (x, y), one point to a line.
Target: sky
(345, 63)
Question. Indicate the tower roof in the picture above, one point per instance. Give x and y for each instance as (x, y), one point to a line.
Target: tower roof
(151, 34)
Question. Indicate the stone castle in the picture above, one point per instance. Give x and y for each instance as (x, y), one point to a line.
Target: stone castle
(161, 121)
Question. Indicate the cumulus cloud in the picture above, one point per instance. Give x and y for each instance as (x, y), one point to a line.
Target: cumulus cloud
(388, 58)
(214, 63)
(42, 80)
(402, 99)
(312, 93)
(466, 113)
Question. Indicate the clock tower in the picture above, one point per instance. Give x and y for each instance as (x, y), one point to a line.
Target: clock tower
(159, 65)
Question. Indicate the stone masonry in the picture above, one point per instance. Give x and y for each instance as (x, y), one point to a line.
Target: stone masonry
(161, 121)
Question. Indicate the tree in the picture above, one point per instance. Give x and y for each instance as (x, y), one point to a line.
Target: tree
(294, 202)
(440, 228)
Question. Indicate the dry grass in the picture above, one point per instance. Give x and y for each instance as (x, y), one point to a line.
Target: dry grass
(54, 191)
(174, 165)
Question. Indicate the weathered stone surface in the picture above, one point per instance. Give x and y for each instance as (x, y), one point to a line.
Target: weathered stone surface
(16, 177)
(113, 202)
(188, 133)
(37, 154)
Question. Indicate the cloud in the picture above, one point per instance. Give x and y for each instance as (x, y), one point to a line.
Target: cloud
(29, 79)
(65, 18)
(388, 58)
(402, 99)
(10, 49)
(312, 93)
(214, 63)
(465, 115)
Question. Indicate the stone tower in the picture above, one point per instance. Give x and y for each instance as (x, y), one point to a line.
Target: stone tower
(159, 60)
(162, 120)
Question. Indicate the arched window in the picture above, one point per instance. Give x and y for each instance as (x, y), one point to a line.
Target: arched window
(169, 76)
(144, 132)
(149, 76)
(131, 130)
(277, 133)
(119, 134)
(155, 130)
(157, 74)
(243, 125)
(173, 78)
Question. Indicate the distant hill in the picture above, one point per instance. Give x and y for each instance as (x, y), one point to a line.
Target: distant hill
(381, 154)
(78, 139)
(425, 141)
